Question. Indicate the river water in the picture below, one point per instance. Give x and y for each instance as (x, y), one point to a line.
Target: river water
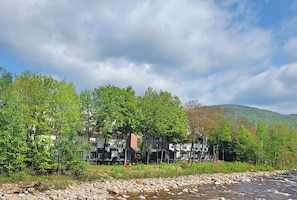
(282, 187)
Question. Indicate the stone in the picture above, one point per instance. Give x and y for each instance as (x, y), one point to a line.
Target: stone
(111, 192)
(245, 179)
(141, 197)
(111, 188)
(185, 190)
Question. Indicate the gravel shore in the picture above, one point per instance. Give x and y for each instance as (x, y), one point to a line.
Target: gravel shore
(121, 189)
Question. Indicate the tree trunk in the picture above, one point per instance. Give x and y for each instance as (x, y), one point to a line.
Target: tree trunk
(103, 152)
(162, 151)
(202, 151)
(148, 155)
(191, 152)
(174, 153)
(125, 159)
(214, 153)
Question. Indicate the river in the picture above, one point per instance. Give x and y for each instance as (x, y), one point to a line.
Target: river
(282, 187)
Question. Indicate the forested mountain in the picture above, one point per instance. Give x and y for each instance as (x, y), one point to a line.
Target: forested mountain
(255, 115)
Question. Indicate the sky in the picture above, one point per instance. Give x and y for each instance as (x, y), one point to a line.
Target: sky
(213, 51)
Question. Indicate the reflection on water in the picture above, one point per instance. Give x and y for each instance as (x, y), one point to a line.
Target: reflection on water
(277, 188)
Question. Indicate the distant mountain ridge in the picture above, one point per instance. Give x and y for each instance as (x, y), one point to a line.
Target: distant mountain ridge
(256, 114)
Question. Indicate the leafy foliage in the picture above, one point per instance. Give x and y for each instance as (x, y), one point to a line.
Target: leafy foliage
(43, 122)
(163, 117)
(255, 115)
(38, 112)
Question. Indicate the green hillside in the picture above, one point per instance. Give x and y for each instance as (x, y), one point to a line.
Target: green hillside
(255, 115)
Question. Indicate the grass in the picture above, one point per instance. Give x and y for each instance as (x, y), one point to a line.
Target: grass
(135, 171)
(48, 182)
(171, 170)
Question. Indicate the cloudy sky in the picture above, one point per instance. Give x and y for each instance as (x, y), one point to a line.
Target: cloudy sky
(214, 51)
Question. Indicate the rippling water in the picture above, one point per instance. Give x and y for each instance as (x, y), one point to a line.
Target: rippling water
(276, 188)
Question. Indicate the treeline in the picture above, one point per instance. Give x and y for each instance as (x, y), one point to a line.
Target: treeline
(45, 125)
(238, 139)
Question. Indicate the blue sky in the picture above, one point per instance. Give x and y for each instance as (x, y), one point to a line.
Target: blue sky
(214, 51)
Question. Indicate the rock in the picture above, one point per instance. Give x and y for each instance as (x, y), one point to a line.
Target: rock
(195, 190)
(22, 195)
(125, 196)
(140, 182)
(217, 183)
(111, 192)
(245, 179)
(81, 197)
(51, 197)
(120, 189)
(141, 197)
(185, 190)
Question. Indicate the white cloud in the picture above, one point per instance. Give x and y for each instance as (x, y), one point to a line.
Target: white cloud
(195, 35)
(290, 49)
(204, 50)
(271, 89)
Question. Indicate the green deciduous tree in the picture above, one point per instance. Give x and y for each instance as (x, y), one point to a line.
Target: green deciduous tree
(246, 146)
(281, 138)
(5, 82)
(34, 95)
(116, 110)
(262, 142)
(164, 117)
(66, 122)
(87, 110)
(220, 136)
(13, 134)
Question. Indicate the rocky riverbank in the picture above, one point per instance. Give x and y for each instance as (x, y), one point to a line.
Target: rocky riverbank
(122, 189)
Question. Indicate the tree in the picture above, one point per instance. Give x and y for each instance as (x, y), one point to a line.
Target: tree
(65, 120)
(281, 144)
(13, 134)
(262, 142)
(87, 112)
(46, 115)
(246, 146)
(117, 110)
(164, 117)
(173, 119)
(220, 135)
(5, 82)
(233, 149)
(195, 124)
(289, 153)
(209, 122)
(34, 93)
